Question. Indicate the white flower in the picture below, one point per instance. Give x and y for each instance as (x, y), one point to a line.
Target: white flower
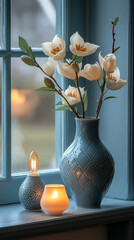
(108, 63)
(66, 70)
(113, 80)
(55, 49)
(91, 72)
(49, 67)
(79, 47)
(72, 95)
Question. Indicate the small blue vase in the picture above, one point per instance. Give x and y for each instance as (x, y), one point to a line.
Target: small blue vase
(30, 192)
(87, 167)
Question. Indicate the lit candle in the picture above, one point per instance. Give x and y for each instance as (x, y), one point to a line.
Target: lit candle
(54, 200)
(31, 189)
(33, 164)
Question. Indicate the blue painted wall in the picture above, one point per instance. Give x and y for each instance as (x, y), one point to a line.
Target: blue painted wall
(114, 113)
(92, 19)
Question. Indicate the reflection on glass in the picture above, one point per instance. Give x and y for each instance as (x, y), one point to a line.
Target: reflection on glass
(0, 119)
(33, 20)
(33, 118)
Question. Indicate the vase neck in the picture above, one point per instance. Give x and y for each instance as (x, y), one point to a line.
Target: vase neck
(90, 127)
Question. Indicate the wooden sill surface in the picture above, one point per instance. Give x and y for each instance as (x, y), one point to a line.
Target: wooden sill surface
(16, 222)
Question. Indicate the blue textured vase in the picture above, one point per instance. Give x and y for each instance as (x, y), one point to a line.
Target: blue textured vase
(87, 167)
(30, 192)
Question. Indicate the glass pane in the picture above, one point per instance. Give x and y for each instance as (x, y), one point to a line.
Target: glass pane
(0, 117)
(33, 118)
(33, 20)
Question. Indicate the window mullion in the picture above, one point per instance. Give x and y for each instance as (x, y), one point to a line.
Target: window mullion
(6, 90)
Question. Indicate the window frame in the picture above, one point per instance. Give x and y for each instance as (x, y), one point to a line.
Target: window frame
(9, 184)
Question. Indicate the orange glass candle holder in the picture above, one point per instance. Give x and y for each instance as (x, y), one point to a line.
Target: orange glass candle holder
(54, 200)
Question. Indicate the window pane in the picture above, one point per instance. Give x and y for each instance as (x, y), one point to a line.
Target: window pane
(33, 118)
(33, 20)
(0, 118)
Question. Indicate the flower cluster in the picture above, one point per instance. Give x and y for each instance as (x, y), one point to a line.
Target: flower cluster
(105, 71)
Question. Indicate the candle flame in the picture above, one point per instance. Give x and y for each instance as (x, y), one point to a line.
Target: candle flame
(55, 194)
(33, 162)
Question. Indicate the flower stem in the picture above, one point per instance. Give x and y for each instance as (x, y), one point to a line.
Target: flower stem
(113, 34)
(37, 65)
(103, 87)
(67, 103)
(82, 104)
(100, 99)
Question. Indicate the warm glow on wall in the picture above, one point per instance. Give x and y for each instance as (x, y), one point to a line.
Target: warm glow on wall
(17, 97)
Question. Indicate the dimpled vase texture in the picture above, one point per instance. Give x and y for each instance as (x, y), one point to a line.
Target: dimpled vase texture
(30, 192)
(87, 167)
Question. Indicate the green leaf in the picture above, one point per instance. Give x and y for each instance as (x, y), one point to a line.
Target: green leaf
(102, 81)
(116, 49)
(45, 90)
(23, 45)
(27, 60)
(109, 97)
(59, 103)
(85, 101)
(31, 54)
(115, 21)
(64, 108)
(77, 59)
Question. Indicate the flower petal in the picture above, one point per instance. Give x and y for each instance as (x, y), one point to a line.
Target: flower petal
(49, 67)
(58, 41)
(66, 70)
(115, 86)
(91, 72)
(78, 53)
(115, 76)
(110, 62)
(59, 56)
(101, 60)
(72, 95)
(91, 48)
(47, 48)
(76, 39)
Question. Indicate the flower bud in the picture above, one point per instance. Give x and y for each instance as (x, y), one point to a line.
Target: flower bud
(91, 72)
(27, 60)
(49, 83)
(75, 67)
(110, 62)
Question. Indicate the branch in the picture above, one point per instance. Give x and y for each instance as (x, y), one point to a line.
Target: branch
(113, 35)
(37, 65)
(101, 99)
(82, 104)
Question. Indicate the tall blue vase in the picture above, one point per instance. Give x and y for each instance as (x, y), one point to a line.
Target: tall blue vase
(87, 167)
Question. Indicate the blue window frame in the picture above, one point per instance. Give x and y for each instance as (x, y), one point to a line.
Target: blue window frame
(9, 185)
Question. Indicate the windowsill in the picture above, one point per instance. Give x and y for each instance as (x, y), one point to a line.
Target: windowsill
(16, 221)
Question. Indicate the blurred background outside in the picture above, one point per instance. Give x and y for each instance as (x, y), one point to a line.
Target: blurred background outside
(33, 118)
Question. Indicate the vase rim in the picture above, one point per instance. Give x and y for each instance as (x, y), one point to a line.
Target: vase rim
(89, 118)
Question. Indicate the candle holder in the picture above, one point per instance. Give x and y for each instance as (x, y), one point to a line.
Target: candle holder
(31, 189)
(54, 200)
